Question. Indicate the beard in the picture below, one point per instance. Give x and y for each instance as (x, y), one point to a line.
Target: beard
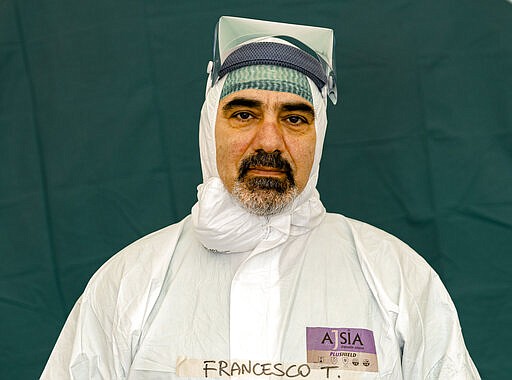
(265, 195)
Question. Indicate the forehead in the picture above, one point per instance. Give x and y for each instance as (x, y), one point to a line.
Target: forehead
(264, 99)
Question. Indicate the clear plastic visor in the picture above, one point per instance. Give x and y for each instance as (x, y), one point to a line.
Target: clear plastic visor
(229, 36)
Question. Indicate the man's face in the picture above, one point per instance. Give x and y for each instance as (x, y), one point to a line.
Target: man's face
(265, 142)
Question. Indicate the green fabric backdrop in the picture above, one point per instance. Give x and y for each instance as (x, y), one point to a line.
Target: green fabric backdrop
(99, 110)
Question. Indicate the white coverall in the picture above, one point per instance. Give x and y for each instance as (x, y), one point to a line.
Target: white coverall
(166, 296)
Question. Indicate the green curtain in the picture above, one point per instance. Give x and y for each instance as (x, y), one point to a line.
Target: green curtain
(99, 110)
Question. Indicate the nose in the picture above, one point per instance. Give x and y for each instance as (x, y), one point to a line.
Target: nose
(269, 136)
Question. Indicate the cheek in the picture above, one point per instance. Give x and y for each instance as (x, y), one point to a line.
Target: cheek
(303, 156)
(229, 152)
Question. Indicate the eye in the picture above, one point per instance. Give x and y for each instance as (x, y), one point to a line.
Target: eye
(296, 120)
(243, 115)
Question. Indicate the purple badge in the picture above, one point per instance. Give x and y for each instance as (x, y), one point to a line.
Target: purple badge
(342, 348)
(340, 339)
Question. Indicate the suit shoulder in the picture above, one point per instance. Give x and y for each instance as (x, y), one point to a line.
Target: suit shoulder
(146, 258)
(377, 247)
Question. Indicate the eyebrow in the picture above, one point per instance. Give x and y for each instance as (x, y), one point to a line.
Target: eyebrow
(299, 106)
(251, 103)
(241, 102)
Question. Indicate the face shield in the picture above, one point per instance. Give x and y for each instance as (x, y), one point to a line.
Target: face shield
(309, 50)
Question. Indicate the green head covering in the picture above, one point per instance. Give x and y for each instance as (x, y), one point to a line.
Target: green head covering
(267, 77)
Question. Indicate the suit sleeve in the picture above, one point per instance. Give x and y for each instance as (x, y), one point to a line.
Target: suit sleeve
(428, 326)
(88, 347)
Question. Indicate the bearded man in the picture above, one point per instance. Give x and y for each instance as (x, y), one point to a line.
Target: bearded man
(259, 276)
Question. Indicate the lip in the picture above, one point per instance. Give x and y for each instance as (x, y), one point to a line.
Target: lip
(266, 171)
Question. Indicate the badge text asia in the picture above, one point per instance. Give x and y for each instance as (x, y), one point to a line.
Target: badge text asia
(343, 337)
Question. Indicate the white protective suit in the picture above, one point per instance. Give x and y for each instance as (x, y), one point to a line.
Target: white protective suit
(286, 281)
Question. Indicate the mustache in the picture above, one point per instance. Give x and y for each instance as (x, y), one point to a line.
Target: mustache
(271, 160)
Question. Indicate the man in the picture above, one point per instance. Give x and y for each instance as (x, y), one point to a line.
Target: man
(260, 280)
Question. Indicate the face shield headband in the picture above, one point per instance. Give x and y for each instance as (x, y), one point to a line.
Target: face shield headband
(275, 54)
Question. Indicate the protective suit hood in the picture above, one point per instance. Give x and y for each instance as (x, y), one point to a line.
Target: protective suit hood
(221, 224)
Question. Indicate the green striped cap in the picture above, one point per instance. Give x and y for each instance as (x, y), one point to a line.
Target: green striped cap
(267, 77)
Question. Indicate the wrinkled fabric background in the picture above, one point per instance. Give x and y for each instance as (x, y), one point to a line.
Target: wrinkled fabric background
(99, 111)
